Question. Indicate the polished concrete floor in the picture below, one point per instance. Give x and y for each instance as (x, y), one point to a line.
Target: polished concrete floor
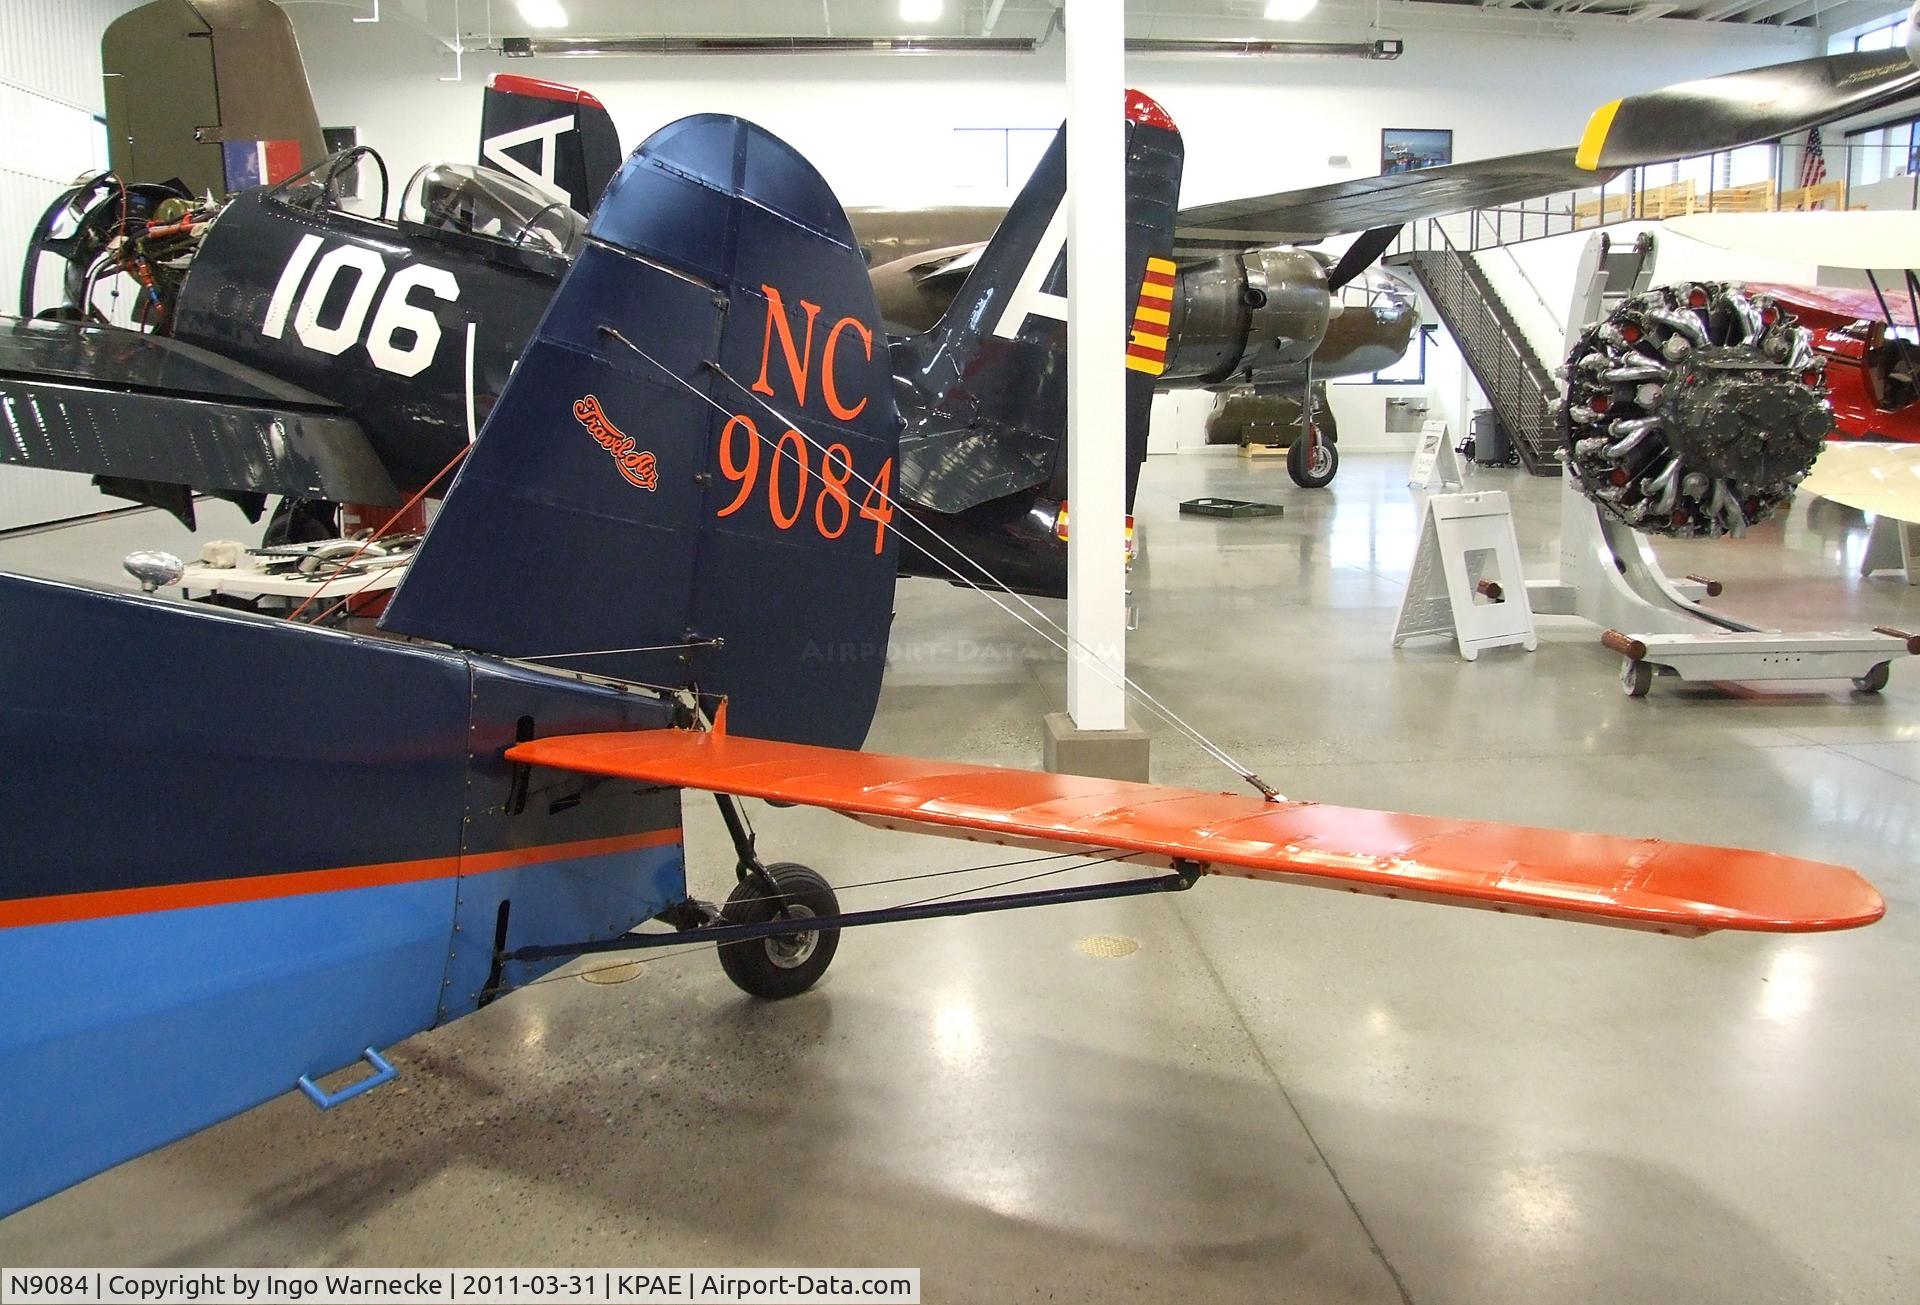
(1274, 1094)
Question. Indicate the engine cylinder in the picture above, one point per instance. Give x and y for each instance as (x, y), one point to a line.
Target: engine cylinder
(1242, 312)
(1693, 410)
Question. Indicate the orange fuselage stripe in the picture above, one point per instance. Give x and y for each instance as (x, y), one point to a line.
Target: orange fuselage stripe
(255, 888)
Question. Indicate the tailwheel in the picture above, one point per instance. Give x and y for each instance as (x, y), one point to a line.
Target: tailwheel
(1312, 470)
(787, 965)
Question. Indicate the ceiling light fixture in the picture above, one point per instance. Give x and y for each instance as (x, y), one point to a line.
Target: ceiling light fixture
(920, 11)
(543, 13)
(1289, 11)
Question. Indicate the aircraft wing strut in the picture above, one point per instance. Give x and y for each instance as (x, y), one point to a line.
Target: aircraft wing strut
(1643, 883)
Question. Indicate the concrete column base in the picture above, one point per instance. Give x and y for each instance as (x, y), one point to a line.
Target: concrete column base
(1102, 754)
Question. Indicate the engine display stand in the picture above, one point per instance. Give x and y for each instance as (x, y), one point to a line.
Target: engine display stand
(1892, 546)
(1608, 576)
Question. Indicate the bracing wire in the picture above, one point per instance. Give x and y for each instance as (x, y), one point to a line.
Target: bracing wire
(1065, 642)
(609, 652)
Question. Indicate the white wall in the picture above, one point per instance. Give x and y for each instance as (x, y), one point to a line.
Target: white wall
(881, 128)
(49, 95)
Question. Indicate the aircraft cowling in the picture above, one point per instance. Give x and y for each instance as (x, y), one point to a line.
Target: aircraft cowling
(1694, 410)
(1245, 313)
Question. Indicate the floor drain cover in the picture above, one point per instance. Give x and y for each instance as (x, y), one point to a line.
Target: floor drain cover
(613, 973)
(1108, 944)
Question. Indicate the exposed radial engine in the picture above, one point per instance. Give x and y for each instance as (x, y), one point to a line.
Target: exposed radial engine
(1694, 410)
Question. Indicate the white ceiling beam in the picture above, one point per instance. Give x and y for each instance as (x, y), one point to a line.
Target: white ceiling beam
(1748, 11)
(1831, 15)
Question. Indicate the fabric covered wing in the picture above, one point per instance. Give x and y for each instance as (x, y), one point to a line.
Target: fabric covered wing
(1633, 882)
(129, 406)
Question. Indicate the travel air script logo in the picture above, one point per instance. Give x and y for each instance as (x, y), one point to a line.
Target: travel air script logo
(636, 464)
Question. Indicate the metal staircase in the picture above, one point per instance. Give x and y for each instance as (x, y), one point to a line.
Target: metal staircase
(1520, 387)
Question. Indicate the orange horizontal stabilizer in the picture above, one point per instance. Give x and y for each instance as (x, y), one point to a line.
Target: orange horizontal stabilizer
(1635, 882)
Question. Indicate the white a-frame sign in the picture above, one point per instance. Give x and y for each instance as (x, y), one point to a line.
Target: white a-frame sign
(1466, 579)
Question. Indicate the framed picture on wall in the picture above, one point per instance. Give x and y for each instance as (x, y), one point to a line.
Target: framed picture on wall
(1407, 149)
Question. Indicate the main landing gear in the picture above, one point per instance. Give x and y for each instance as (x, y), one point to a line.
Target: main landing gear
(788, 964)
(778, 965)
(767, 945)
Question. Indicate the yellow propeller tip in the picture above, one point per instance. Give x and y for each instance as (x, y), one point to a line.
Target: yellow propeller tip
(1594, 139)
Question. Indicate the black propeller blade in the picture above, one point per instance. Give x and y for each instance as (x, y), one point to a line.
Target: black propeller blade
(1361, 254)
(1743, 108)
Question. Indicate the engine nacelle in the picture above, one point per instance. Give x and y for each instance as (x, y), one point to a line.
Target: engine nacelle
(1242, 312)
(1693, 410)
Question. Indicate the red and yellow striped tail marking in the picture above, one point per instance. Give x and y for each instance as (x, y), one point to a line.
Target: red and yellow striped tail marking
(1147, 341)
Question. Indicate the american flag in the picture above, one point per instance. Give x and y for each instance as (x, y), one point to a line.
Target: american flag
(1813, 160)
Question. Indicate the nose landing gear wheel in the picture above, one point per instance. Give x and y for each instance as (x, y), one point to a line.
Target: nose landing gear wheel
(787, 965)
(1312, 470)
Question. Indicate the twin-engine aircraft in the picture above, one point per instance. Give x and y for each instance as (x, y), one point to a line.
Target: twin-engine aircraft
(719, 519)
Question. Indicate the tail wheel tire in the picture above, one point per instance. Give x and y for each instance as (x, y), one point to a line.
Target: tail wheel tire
(1313, 469)
(787, 965)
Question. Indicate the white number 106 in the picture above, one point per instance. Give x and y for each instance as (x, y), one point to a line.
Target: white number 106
(394, 318)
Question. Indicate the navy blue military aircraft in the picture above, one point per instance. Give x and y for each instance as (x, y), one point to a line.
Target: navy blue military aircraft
(692, 476)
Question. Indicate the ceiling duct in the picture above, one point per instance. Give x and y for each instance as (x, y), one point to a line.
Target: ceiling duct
(587, 46)
(600, 46)
(1384, 49)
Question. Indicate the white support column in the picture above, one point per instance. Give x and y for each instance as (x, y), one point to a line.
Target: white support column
(1096, 366)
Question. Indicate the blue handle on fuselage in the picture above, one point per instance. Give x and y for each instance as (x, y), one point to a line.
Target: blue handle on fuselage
(383, 1071)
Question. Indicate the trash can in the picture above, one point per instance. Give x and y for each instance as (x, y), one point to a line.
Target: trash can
(1491, 447)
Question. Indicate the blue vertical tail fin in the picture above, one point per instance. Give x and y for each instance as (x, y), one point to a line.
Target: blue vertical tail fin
(688, 480)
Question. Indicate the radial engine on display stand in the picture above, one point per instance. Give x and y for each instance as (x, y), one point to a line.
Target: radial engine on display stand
(1691, 411)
